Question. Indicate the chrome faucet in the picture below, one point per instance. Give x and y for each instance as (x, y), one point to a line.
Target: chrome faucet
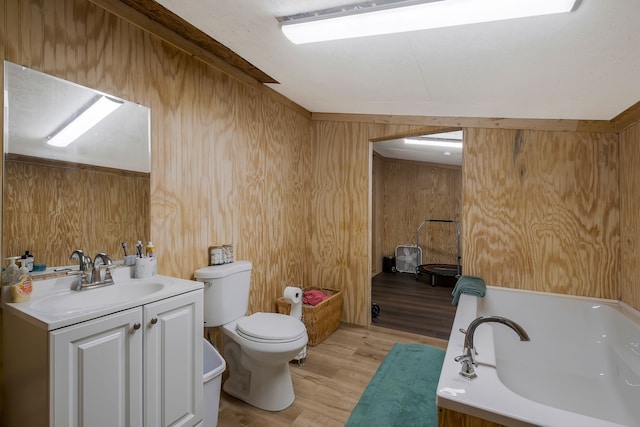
(95, 272)
(468, 359)
(91, 279)
(85, 261)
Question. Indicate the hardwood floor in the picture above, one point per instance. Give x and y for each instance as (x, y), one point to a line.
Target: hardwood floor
(330, 382)
(335, 373)
(414, 305)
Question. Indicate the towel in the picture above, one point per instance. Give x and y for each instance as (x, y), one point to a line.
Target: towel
(314, 297)
(471, 285)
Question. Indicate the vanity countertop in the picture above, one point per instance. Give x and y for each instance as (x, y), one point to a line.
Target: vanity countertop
(54, 305)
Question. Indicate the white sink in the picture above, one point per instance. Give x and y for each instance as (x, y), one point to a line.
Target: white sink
(54, 305)
(68, 301)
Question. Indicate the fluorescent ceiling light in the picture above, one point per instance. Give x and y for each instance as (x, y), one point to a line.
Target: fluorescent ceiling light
(434, 143)
(412, 16)
(85, 121)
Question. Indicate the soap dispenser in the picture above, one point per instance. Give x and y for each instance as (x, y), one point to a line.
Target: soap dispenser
(21, 286)
(23, 270)
(13, 272)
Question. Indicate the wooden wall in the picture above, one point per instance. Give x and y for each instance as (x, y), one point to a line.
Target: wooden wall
(377, 213)
(541, 210)
(339, 227)
(413, 192)
(629, 215)
(53, 210)
(232, 164)
(227, 158)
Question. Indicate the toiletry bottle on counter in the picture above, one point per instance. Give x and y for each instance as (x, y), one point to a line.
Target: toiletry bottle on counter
(150, 248)
(21, 291)
(23, 270)
(29, 258)
(13, 273)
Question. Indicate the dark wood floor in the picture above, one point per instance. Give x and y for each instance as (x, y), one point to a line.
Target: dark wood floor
(412, 305)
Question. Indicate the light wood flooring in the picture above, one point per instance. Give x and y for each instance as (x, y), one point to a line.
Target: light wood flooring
(329, 383)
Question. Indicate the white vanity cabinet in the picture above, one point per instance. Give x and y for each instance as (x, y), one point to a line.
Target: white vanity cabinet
(96, 371)
(141, 366)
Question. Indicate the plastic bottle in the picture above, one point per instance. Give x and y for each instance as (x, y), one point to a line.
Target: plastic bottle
(150, 248)
(21, 286)
(12, 270)
(23, 270)
(21, 291)
(30, 260)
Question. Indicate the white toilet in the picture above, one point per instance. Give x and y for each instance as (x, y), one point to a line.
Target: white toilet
(258, 347)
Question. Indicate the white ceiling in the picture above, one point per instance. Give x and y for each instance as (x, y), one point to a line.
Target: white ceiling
(398, 149)
(581, 65)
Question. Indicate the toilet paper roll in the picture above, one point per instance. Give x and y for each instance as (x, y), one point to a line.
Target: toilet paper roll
(294, 296)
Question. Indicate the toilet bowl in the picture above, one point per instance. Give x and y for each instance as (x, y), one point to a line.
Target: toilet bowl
(261, 361)
(258, 347)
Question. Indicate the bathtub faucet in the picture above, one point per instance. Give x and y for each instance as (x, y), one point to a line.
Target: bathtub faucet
(468, 359)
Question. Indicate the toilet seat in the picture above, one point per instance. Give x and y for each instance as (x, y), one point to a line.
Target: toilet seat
(270, 328)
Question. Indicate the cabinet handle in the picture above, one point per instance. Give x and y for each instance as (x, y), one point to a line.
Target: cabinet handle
(154, 320)
(136, 326)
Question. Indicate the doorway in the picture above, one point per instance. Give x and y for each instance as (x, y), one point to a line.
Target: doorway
(414, 179)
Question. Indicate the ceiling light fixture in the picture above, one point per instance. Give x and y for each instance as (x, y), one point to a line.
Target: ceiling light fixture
(434, 143)
(398, 17)
(85, 121)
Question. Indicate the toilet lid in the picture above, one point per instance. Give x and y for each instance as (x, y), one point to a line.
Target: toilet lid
(270, 327)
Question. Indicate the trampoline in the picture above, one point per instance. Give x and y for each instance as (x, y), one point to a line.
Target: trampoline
(442, 270)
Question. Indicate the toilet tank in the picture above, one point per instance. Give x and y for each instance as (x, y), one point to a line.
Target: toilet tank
(226, 291)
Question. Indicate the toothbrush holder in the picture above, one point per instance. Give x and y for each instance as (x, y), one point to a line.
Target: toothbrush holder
(146, 267)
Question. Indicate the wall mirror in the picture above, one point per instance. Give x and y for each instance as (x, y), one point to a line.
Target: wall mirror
(92, 194)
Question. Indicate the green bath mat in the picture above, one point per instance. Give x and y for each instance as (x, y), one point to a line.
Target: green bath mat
(402, 392)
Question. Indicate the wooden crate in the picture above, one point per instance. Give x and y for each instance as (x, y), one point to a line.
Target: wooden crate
(321, 320)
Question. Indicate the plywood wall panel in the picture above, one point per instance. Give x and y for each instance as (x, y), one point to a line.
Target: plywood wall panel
(413, 192)
(339, 221)
(226, 158)
(629, 218)
(541, 210)
(339, 224)
(52, 211)
(377, 214)
(216, 178)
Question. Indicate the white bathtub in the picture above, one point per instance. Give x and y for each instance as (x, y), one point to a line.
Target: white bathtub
(581, 367)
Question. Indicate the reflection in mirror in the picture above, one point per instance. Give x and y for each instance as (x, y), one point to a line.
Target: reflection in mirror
(414, 179)
(92, 194)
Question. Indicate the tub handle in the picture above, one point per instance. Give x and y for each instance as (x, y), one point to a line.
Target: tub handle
(468, 361)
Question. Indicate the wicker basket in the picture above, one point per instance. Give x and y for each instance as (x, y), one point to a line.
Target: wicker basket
(321, 320)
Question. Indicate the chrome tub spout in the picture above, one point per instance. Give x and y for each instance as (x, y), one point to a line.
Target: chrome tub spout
(468, 358)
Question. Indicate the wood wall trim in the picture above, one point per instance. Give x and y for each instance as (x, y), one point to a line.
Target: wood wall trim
(277, 96)
(628, 117)
(599, 126)
(20, 158)
(160, 22)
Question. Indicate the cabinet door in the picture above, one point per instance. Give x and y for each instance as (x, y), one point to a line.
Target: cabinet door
(96, 372)
(173, 361)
